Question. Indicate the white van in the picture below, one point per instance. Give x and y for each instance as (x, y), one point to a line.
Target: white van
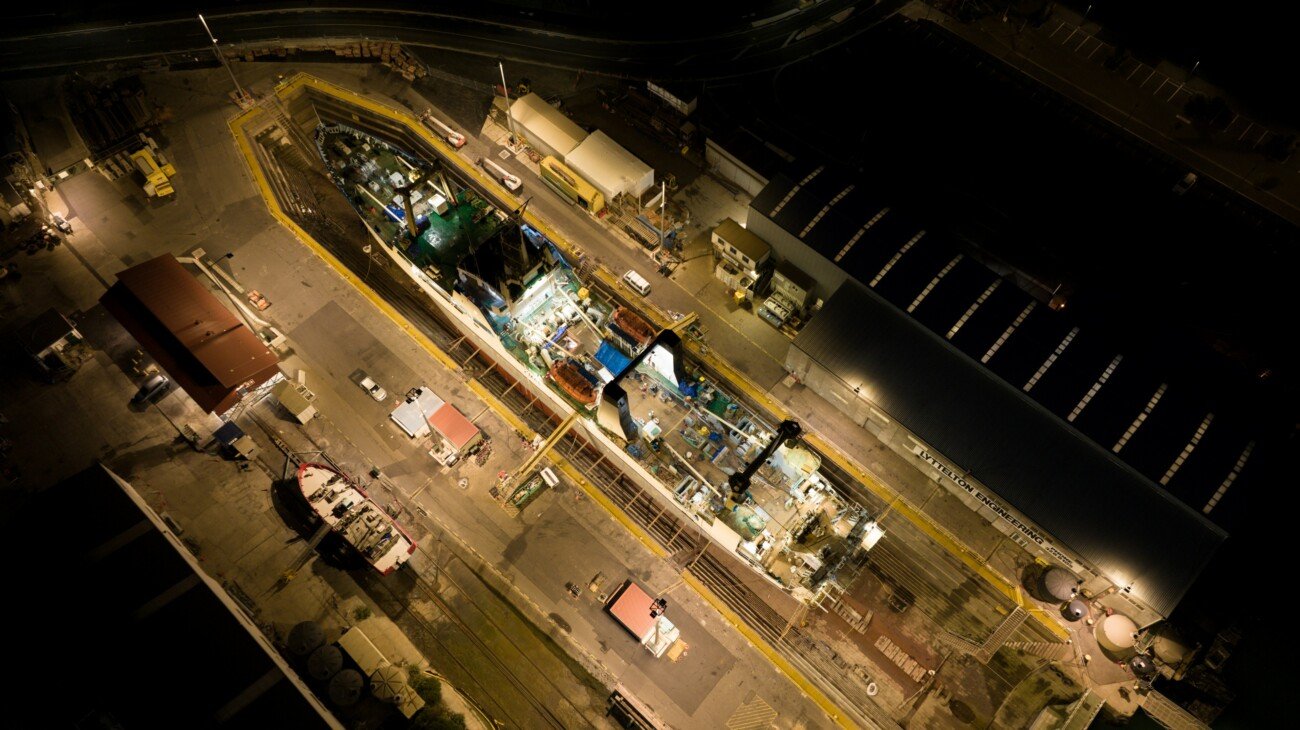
(637, 282)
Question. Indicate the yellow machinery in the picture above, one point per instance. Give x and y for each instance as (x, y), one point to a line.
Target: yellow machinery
(157, 178)
(568, 183)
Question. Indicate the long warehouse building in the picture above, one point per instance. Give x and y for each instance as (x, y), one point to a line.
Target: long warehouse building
(545, 127)
(609, 167)
(1092, 454)
(1004, 455)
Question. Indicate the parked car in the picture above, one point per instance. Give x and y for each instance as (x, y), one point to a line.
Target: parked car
(61, 223)
(1185, 184)
(153, 389)
(370, 386)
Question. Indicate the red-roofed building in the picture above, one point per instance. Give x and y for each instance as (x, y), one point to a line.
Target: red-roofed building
(212, 355)
(455, 428)
(632, 607)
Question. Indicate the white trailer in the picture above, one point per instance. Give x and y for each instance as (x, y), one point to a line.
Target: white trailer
(456, 139)
(512, 182)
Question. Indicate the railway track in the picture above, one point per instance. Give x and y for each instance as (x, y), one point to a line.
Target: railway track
(482, 664)
(674, 533)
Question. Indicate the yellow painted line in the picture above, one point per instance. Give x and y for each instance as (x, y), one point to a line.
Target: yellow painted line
(940, 536)
(506, 413)
(592, 491)
(563, 464)
(780, 662)
(729, 373)
(236, 128)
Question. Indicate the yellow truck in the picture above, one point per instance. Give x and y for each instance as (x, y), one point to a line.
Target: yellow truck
(157, 178)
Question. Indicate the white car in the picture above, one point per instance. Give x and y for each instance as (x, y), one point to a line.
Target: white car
(370, 386)
(61, 223)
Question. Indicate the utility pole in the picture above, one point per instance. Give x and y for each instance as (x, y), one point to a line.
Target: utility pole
(239, 90)
(663, 201)
(510, 117)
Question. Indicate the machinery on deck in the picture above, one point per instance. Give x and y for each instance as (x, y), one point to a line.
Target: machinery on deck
(786, 434)
(157, 178)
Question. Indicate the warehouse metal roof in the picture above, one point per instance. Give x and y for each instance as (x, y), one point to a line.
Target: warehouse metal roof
(1140, 400)
(1098, 505)
(746, 242)
(548, 124)
(182, 652)
(610, 167)
(199, 342)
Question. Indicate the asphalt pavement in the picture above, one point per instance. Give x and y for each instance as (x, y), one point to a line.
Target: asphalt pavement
(745, 48)
(333, 331)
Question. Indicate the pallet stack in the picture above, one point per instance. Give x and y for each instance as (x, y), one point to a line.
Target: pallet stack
(389, 54)
(401, 61)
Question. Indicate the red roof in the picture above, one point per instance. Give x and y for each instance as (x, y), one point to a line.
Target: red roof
(192, 335)
(453, 426)
(203, 325)
(631, 607)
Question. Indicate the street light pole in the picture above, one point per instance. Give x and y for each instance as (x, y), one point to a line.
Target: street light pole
(663, 201)
(239, 90)
(510, 117)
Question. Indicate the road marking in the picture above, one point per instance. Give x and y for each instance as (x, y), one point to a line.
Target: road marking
(811, 690)
(752, 715)
(923, 522)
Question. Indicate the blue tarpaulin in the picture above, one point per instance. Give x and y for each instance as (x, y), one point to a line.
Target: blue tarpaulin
(613, 360)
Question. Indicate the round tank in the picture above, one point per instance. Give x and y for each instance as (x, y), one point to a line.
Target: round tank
(305, 637)
(345, 687)
(324, 662)
(1059, 583)
(387, 683)
(1075, 610)
(1115, 634)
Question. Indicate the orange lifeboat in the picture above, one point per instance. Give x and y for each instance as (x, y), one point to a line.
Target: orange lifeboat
(570, 378)
(631, 325)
